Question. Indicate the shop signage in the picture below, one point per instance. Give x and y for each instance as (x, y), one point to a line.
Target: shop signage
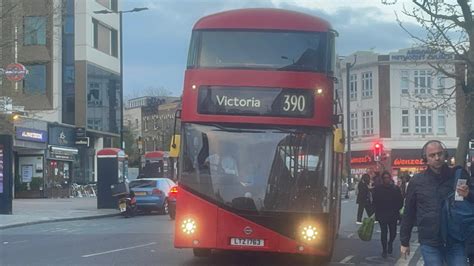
(420, 54)
(364, 159)
(82, 141)
(31, 134)
(61, 135)
(63, 154)
(405, 162)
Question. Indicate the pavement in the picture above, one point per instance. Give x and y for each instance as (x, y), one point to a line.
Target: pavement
(34, 211)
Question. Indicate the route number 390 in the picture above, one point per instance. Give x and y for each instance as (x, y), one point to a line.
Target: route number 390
(294, 103)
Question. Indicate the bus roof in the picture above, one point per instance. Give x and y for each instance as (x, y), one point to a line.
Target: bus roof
(154, 154)
(263, 18)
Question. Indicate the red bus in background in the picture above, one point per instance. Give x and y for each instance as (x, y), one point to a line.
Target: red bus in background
(257, 168)
(156, 164)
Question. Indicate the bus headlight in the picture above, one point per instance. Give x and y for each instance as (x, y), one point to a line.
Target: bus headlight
(188, 226)
(309, 233)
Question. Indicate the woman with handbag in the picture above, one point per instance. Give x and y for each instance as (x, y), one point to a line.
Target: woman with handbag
(388, 201)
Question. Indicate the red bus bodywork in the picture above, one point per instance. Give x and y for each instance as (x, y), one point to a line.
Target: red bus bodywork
(215, 225)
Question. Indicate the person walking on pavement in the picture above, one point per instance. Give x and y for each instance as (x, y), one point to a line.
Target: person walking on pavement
(363, 198)
(387, 204)
(423, 206)
(404, 185)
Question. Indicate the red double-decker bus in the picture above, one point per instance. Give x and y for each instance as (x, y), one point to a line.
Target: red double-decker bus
(257, 167)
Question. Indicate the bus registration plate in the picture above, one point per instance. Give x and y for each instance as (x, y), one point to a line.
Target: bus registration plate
(236, 241)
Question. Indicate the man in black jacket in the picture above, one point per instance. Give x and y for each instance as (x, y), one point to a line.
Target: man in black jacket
(423, 205)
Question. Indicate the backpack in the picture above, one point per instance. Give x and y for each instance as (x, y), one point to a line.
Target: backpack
(457, 217)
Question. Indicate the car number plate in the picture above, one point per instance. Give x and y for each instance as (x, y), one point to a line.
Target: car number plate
(123, 207)
(140, 193)
(248, 242)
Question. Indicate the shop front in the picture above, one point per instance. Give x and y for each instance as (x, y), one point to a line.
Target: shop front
(29, 147)
(361, 162)
(61, 160)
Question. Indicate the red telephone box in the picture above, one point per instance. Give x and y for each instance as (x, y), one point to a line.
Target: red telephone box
(111, 170)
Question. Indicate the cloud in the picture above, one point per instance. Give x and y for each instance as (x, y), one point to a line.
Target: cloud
(156, 41)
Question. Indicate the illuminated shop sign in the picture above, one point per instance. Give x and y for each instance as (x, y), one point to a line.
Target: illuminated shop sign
(404, 162)
(31, 134)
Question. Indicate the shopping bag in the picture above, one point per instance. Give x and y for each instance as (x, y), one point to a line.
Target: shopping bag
(367, 228)
(402, 210)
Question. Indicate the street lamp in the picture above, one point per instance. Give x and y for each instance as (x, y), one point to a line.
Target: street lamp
(106, 11)
(348, 106)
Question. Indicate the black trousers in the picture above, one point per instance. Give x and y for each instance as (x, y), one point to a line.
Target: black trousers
(385, 228)
(360, 211)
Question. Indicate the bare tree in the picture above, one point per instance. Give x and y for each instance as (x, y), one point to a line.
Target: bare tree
(449, 28)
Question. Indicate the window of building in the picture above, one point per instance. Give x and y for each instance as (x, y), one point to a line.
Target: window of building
(354, 125)
(353, 87)
(441, 122)
(34, 30)
(105, 38)
(95, 124)
(35, 81)
(404, 81)
(136, 123)
(367, 84)
(441, 84)
(405, 121)
(367, 122)
(110, 4)
(422, 81)
(423, 122)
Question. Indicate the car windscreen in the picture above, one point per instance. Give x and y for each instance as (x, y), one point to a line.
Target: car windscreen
(142, 184)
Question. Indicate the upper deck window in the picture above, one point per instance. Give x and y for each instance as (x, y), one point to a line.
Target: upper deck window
(268, 50)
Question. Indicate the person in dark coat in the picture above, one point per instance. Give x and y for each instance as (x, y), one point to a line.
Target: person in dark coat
(423, 208)
(363, 198)
(387, 202)
(404, 185)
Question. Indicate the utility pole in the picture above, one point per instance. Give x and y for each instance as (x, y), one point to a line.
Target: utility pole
(348, 105)
(106, 11)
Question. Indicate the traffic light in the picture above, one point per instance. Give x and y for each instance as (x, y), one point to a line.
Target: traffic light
(378, 152)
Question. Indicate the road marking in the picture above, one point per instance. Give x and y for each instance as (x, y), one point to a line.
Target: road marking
(347, 259)
(15, 242)
(116, 250)
(402, 261)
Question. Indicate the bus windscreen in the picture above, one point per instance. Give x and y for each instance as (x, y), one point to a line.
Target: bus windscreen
(269, 50)
(260, 169)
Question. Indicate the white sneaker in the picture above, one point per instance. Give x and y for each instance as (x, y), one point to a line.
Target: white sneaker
(358, 222)
(376, 222)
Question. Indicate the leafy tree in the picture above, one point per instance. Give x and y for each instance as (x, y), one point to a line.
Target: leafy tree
(131, 148)
(449, 28)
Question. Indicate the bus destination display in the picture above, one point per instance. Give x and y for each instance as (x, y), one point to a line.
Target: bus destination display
(249, 101)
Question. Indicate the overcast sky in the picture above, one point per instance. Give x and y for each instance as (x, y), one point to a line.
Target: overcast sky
(156, 41)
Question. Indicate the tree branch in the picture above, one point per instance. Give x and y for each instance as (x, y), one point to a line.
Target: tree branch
(454, 18)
